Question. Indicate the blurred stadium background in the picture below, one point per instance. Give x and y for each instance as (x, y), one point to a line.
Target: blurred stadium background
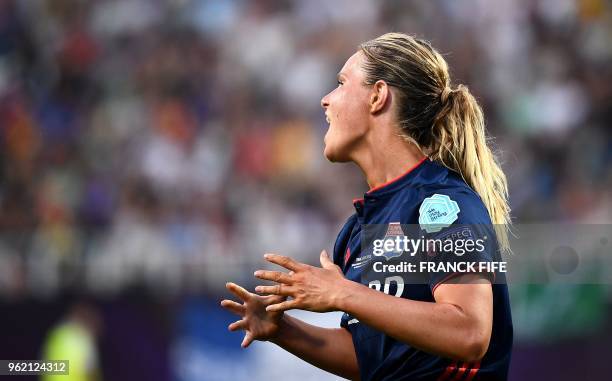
(150, 151)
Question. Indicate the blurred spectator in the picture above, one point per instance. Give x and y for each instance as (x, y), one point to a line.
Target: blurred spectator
(74, 339)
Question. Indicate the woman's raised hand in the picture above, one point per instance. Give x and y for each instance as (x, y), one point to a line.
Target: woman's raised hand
(317, 289)
(258, 323)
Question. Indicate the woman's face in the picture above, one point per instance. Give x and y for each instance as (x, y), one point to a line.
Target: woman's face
(347, 111)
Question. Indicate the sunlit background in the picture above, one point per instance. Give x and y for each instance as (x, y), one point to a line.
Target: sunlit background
(150, 151)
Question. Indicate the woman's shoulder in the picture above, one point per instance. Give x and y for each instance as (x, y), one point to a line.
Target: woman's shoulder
(454, 201)
(450, 200)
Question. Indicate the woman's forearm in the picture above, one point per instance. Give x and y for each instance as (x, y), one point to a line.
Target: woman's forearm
(330, 349)
(443, 329)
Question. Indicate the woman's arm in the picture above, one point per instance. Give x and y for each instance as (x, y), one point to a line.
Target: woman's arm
(458, 325)
(329, 349)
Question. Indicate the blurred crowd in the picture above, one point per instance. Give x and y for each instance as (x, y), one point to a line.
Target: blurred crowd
(177, 141)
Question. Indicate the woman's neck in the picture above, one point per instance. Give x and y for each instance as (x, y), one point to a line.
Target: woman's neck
(387, 160)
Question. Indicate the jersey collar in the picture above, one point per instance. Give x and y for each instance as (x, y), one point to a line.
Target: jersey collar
(392, 185)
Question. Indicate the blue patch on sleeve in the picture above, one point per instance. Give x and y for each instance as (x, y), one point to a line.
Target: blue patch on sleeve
(437, 212)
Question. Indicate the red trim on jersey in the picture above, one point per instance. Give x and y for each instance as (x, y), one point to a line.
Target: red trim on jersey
(397, 178)
(447, 372)
(473, 371)
(461, 370)
(347, 255)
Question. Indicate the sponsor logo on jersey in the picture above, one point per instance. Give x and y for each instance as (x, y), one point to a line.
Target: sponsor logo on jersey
(361, 261)
(437, 212)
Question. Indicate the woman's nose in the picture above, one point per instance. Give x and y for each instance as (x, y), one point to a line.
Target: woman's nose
(325, 102)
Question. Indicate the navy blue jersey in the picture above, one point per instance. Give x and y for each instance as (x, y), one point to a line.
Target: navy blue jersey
(404, 201)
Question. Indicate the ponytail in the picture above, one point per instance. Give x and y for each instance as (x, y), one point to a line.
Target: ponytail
(460, 144)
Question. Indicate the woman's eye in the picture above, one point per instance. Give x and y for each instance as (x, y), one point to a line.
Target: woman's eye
(340, 83)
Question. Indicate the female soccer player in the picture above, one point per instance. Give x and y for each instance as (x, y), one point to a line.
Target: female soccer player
(422, 147)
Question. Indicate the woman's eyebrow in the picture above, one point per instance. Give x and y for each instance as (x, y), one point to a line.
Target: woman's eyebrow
(340, 75)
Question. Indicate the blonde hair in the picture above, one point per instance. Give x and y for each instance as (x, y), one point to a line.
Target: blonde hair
(447, 123)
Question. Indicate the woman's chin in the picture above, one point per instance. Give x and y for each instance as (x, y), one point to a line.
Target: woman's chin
(333, 155)
(328, 152)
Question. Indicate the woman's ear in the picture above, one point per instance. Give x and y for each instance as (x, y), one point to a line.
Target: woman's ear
(379, 96)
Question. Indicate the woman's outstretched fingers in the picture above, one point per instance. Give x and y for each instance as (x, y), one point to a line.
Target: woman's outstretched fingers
(281, 260)
(278, 289)
(284, 306)
(273, 299)
(234, 307)
(274, 276)
(248, 339)
(240, 324)
(240, 292)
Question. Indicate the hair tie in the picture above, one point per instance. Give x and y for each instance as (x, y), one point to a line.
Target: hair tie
(444, 94)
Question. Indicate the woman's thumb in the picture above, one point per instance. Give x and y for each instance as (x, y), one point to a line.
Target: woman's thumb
(326, 262)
